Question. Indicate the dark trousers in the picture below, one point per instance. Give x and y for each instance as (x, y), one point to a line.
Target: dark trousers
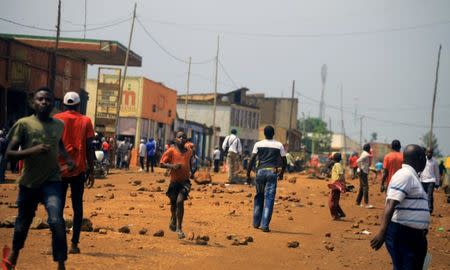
(51, 195)
(151, 162)
(76, 184)
(3, 162)
(333, 203)
(429, 189)
(407, 246)
(141, 161)
(363, 188)
(216, 165)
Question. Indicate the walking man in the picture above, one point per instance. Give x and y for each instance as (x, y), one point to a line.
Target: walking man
(3, 145)
(39, 136)
(216, 156)
(430, 177)
(391, 164)
(77, 138)
(406, 217)
(232, 147)
(179, 160)
(363, 165)
(353, 165)
(151, 151)
(271, 165)
(142, 154)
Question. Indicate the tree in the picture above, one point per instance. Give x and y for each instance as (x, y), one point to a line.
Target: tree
(315, 129)
(373, 137)
(434, 143)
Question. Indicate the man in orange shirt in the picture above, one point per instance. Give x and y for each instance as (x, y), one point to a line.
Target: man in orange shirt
(77, 138)
(391, 164)
(353, 165)
(179, 160)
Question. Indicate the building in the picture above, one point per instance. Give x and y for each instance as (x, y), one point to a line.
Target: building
(337, 144)
(379, 150)
(233, 111)
(29, 62)
(148, 109)
(281, 113)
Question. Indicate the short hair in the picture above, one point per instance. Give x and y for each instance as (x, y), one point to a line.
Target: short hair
(234, 131)
(269, 131)
(337, 157)
(44, 89)
(395, 145)
(366, 147)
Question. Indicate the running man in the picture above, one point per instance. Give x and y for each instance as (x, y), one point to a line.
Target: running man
(77, 138)
(272, 163)
(391, 164)
(179, 160)
(364, 165)
(39, 136)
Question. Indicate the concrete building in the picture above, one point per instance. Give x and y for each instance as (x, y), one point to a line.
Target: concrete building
(337, 144)
(233, 111)
(281, 113)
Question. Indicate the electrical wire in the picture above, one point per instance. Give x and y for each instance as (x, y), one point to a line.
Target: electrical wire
(228, 75)
(167, 51)
(97, 24)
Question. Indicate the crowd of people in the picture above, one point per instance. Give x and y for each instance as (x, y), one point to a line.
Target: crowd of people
(58, 153)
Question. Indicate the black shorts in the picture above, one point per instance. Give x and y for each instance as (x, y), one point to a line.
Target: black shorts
(178, 187)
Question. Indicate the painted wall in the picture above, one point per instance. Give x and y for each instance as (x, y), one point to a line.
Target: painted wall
(159, 102)
(203, 114)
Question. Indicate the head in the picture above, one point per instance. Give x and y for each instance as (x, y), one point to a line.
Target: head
(366, 147)
(414, 156)
(395, 145)
(269, 132)
(217, 147)
(180, 138)
(142, 141)
(234, 131)
(71, 101)
(429, 153)
(151, 140)
(43, 101)
(337, 157)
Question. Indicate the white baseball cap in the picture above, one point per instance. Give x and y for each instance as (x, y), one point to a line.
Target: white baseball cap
(71, 98)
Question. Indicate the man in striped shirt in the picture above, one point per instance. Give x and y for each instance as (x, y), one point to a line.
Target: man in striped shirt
(406, 215)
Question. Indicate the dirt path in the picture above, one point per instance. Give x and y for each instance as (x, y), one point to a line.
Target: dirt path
(218, 215)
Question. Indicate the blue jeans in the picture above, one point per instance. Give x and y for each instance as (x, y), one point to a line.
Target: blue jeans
(429, 189)
(51, 195)
(76, 184)
(266, 187)
(407, 246)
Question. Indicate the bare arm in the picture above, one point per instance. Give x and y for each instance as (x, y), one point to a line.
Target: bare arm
(250, 165)
(13, 153)
(90, 153)
(283, 168)
(377, 242)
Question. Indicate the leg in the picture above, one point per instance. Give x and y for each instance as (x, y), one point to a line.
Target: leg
(429, 189)
(332, 204)
(269, 195)
(229, 167)
(365, 188)
(153, 162)
(258, 204)
(147, 163)
(180, 214)
(77, 191)
(173, 212)
(27, 203)
(391, 242)
(360, 191)
(53, 201)
(339, 210)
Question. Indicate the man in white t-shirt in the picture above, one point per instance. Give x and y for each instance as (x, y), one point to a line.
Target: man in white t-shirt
(142, 154)
(271, 165)
(406, 217)
(430, 177)
(216, 156)
(233, 148)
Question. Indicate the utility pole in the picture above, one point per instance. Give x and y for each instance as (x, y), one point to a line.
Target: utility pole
(360, 130)
(215, 97)
(291, 112)
(53, 63)
(344, 157)
(430, 141)
(119, 102)
(85, 15)
(187, 94)
(322, 102)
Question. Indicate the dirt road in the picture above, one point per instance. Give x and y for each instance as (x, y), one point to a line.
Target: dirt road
(218, 211)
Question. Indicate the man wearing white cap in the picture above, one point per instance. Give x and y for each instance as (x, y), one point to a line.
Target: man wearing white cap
(77, 138)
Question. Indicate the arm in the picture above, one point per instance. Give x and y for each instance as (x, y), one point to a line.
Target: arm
(65, 156)
(250, 166)
(378, 240)
(225, 142)
(283, 168)
(239, 146)
(12, 152)
(170, 166)
(383, 180)
(90, 156)
(193, 167)
(437, 174)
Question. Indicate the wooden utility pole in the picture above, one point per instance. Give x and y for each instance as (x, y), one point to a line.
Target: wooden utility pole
(53, 62)
(291, 114)
(119, 102)
(187, 94)
(344, 156)
(85, 15)
(215, 97)
(430, 141)
(360, 130)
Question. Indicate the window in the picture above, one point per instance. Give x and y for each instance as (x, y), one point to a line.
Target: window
(170, 113)
(154, 108)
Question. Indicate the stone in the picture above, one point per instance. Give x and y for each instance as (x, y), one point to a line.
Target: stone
(327, 234)
(136, 182)
(86, 225)
(13, 205)
(160, 181)
(108, 185)
(249, 239)
(203, 178)
(142, 189)
(156, 189)
(232, 213)
(249, 195)
(329, 246)
(143, 231)
(124, 229)
(106, 228)
(290, 218)
(216, 203)
(111, 196)
(39, 224)
(133, 194)
(131, 208)
(102, 231)
(191, 236)
(69, 223)
(159, 233)
(201, 242)
(292, 180)
(293, 244)
(99, 196)
(309, 203)
(93, 214)
(242, 242)
(231, 236)
(203, 237)
(8, 222)
(355, 226)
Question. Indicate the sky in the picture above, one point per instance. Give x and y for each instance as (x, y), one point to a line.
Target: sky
(383, 54)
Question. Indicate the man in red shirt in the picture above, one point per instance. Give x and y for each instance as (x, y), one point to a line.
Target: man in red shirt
(353, 164)
(179, 160)
(77, 138)
(391, 164)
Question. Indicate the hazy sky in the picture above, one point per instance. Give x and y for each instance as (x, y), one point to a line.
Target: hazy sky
(383, 52)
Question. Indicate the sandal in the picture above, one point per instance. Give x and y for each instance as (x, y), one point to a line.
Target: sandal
(6, 264)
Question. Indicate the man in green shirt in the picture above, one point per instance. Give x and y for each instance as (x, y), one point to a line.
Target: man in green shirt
(39, 136)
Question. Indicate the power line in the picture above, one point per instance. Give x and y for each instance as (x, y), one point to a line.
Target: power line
(228, 75)
(98, 24)
(65, 31)
(166, 50)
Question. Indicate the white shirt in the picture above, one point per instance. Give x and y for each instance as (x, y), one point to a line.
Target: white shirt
(364, 162)
(216, 154)
(142, 150)
(405, 187)
(234, 144)
(269, 153)
(431, 172)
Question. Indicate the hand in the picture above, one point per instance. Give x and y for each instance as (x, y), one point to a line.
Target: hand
(377, 242)
(280, 176)
(382, 188)
(90, 180)
(70, 164)
(40, 148)
(176, 166)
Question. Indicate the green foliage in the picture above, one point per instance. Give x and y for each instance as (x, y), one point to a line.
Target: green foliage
(314, 129)
(434, 143)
